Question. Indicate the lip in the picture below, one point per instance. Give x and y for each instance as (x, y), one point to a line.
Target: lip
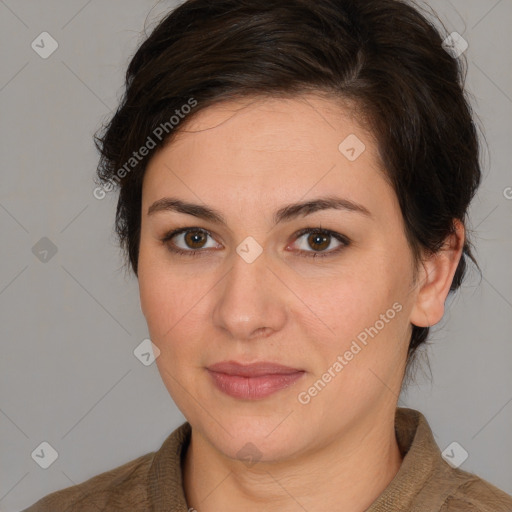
(253, 369)
(253, 381)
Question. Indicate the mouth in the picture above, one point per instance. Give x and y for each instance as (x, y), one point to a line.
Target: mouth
(253, 381)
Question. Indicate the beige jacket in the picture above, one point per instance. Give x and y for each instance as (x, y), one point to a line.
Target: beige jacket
(425, 482)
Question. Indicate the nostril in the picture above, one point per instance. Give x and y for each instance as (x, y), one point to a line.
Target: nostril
(262, 332)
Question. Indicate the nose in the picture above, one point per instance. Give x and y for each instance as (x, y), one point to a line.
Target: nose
(251, 302)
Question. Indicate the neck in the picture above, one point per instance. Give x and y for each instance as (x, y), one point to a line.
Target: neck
(348, 473)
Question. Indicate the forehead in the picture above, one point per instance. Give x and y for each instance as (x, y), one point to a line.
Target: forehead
(263, 150)
(305, 123)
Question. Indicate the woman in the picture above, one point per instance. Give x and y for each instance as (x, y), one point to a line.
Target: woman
(294, 183)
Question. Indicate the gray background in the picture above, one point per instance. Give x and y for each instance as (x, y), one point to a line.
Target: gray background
(69, 325)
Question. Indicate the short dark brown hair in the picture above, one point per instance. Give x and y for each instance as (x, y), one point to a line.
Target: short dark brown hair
(383, 55)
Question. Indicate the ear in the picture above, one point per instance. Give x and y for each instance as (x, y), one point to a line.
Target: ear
(435, 279)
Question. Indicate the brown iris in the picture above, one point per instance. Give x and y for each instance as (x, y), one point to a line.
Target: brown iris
(318, 239)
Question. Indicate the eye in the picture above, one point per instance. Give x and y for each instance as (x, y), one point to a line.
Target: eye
(193, 238)
(321, 239)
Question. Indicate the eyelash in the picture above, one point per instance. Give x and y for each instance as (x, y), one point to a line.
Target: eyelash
(345, 241)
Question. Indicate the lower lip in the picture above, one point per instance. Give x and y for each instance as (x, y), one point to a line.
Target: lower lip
(253, 388)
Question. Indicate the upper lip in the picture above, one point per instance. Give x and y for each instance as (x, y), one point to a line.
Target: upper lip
(252, 370)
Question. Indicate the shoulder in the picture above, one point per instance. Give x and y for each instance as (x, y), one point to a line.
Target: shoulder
(426, 481)
(121, 488)
(474, 494)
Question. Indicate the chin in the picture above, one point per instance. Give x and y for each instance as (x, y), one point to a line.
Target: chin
(263, 439)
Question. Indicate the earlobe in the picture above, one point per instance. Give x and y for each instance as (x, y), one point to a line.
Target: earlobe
(436, 278)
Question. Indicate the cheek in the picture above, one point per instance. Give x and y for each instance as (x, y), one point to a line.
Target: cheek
(173, 327)
(175, 310)
(343, 305)
(360, 317)
(162, 291)
(167, 305)
(161, 297)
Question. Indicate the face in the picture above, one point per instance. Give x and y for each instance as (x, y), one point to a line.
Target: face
(265, 284)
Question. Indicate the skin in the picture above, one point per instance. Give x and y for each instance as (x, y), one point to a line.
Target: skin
(246, 159)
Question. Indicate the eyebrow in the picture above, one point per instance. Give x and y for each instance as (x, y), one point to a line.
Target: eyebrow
(284, 214)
